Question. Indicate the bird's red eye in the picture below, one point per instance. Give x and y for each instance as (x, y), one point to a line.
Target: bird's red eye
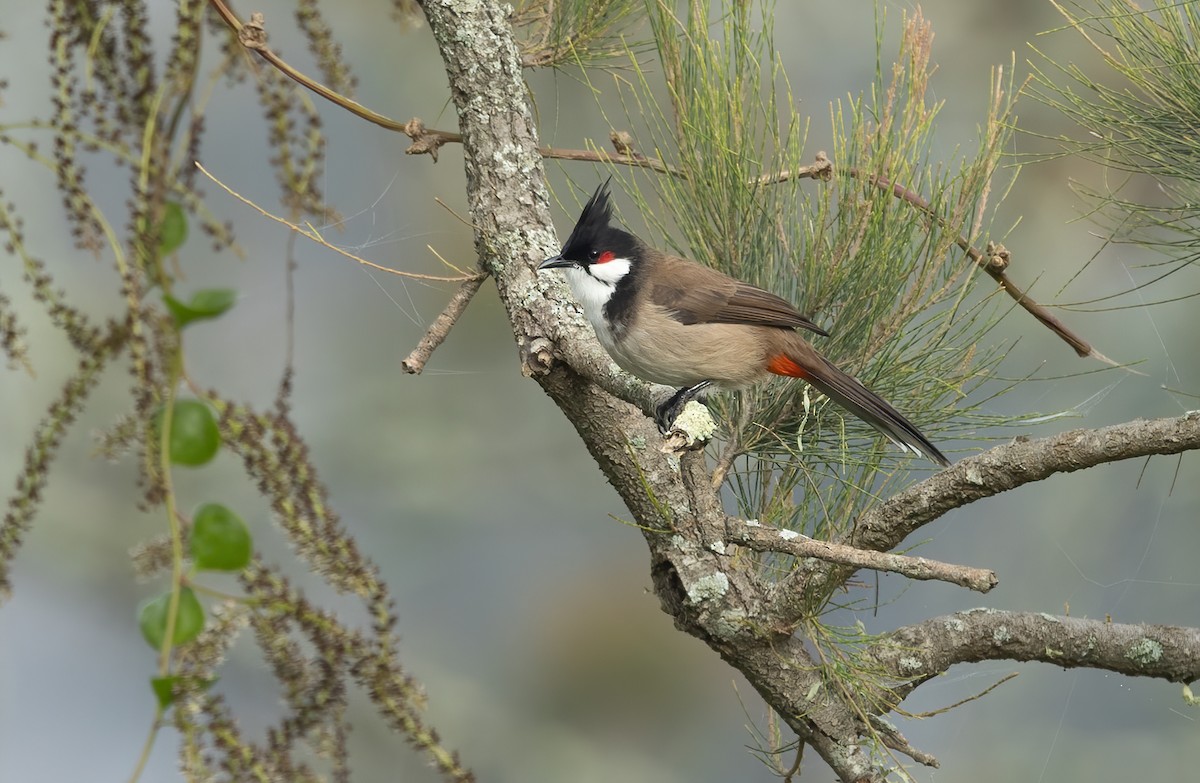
(605, 257)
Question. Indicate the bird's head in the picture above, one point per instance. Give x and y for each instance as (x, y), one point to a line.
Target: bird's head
(596, 248)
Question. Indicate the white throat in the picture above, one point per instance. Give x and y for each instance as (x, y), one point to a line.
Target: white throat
(593, 288)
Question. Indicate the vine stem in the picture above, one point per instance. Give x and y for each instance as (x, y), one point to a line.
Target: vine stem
(164, 655)
(147, 746)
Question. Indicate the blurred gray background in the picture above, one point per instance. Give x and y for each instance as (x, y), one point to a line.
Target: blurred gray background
(525, 608)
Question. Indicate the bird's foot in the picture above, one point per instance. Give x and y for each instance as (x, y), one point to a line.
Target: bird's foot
(666, 413)
(692, 429)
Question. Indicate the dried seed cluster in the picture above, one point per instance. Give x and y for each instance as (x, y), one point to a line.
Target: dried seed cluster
(120, 97)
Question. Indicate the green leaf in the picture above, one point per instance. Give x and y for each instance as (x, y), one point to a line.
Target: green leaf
(189, 622)
(206, 303)
(220, 539)
(194, 439)
(164, 689)
(173, 230)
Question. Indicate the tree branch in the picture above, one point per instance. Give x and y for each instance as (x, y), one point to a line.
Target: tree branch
(756, 536)
(916, 653)
(427, 141)
(441, 326)
(893, 739)
(1015, 464)
(997, 470)
(994, 260)
(253, 36)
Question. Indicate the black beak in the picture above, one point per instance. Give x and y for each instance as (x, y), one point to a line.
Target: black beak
(555, 262)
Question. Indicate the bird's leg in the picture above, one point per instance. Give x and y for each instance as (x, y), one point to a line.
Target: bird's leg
(666, 413)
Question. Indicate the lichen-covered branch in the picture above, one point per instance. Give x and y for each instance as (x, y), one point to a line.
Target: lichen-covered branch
(760, 538)
(916, 653)
(1015, 464)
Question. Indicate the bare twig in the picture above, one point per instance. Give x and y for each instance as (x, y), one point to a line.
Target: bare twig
(441, 326)
(822, 169)
(253, 36)
(427, 141)
(893, 739)
(760, 538)
(312, 234)
(794, 770)
(961, 702)
(600, 156)
(994, 261)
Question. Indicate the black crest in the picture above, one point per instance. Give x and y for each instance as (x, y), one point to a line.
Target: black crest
(592, 224)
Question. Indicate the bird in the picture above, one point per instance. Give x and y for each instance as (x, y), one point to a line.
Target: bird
(673, 321)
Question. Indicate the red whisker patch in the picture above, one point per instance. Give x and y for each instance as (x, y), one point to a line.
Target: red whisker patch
(784, 365)
(605, 257)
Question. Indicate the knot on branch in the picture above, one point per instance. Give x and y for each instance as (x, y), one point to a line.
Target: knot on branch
(622, 142)
(425, 141)
(537, 357)
(998, 257)
(253, 34)
(822, 167)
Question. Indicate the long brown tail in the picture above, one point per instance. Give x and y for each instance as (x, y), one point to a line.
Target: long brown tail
(803, 361)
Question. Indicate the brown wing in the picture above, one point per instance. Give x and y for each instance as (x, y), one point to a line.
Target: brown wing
(696, 294)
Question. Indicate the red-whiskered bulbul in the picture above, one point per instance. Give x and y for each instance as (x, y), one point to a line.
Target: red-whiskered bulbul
(673, 321)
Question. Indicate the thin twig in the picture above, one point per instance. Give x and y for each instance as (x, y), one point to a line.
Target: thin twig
(427, 141)
(253, 36)
(441, 326)
(760, 538)
(822, 169)
(600, 156)
(961, 702)
(733, 449)
(794, 770)
(311, 233)
(994, 262)
(893, 739)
